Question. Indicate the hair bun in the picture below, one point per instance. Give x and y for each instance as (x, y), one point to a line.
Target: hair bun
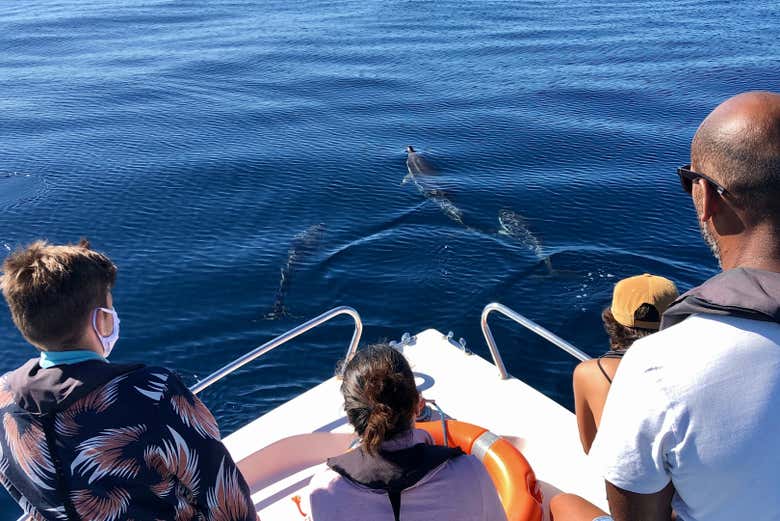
(380, 395)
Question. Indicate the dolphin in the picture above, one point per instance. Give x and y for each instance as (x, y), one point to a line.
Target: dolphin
(302, 246)
(514, 225)
(419, 173)
(416, 164)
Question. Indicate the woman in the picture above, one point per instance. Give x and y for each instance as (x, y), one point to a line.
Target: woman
(637, 305)
(396, 472)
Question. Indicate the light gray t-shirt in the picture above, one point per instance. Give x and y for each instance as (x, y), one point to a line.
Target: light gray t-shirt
(699, 404)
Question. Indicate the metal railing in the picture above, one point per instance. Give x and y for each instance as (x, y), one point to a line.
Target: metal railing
(358, 331)
(281, 339)
(527, 323)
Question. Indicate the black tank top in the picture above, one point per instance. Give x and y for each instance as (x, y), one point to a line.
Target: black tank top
(612, 353)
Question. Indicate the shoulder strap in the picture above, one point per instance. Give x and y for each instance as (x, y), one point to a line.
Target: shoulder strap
(601, 368)
(612, 353)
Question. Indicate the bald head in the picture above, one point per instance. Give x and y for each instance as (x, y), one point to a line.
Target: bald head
(738, 144)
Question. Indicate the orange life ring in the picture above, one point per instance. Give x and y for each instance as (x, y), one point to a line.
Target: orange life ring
(512, 476)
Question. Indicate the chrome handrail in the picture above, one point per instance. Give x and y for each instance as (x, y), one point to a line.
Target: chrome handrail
(281, 339)
(527, 323)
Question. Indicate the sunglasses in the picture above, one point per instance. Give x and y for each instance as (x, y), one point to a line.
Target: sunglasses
(688, 176)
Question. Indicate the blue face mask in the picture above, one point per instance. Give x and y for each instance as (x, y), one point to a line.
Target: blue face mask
(110, 340)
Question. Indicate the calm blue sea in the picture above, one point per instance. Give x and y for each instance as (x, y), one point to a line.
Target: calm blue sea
(197, 142)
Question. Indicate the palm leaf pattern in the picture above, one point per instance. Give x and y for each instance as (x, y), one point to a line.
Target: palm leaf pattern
(155, 461)
(140, 444)
(6, 396)
(27, 443)
(195, 415)
(175, 459)
(106, 454)
(29, 510)
(154, 387)
(225, 499)
(97, 402)
(57, 512)
(4, 465)
(92, 506)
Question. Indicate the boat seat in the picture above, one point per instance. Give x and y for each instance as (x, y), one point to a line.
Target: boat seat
(279, 473)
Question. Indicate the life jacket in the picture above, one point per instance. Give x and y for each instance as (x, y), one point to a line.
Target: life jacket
(392, 471)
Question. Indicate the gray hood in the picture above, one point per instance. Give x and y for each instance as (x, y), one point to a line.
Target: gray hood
(44, 391)
(741, 292)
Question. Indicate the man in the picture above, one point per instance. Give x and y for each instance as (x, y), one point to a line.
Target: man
(85, 439)
(693, 418)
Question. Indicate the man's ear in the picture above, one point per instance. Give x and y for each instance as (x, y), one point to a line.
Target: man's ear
(710, 200)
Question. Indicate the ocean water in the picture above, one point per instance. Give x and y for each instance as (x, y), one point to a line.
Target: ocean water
(237, 159)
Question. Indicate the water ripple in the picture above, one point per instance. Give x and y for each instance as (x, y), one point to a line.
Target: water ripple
(194, 141)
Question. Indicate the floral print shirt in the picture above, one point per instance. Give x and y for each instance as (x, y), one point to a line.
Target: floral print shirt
(103, 442)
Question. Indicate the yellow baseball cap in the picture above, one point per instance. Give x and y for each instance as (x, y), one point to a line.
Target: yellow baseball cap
(629, 295)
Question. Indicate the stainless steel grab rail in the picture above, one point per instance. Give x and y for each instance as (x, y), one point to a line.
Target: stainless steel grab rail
(527, 323)
(281, 339)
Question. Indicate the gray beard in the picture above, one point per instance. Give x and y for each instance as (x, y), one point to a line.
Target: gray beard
(710, 241)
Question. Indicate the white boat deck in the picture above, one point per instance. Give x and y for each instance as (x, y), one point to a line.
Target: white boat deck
(280, 451)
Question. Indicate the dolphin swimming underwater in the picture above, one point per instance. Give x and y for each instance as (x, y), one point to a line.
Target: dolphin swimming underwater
(419, 174)
(302, 246)
(416, 164)
(514, 225)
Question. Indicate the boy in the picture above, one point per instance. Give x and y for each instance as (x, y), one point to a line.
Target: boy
(85, 439)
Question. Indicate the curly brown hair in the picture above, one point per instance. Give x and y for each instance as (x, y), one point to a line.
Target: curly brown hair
(620, 336)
